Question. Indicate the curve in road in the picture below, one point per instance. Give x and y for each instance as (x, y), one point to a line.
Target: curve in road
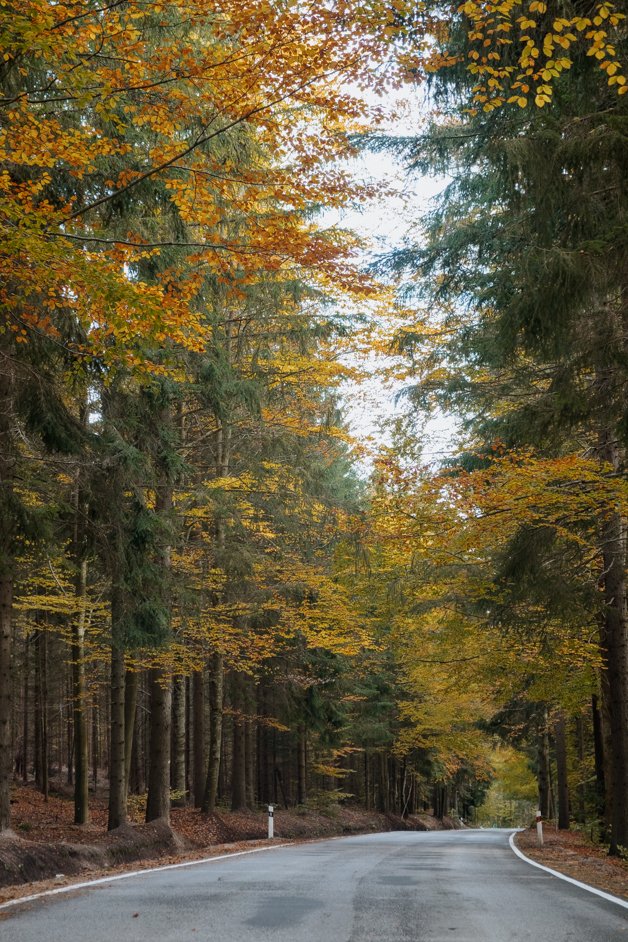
(460, 886)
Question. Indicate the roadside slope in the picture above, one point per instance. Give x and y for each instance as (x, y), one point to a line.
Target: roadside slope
(46, 846)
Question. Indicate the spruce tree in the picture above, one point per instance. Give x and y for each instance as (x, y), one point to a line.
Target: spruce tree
(523, 268)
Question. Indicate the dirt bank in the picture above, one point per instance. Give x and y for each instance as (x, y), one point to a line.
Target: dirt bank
(46, 846)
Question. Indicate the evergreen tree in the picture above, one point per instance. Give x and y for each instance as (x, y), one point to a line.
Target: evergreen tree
(523, 271)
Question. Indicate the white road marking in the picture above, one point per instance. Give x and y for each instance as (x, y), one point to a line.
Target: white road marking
(562, 876)
(133, 873)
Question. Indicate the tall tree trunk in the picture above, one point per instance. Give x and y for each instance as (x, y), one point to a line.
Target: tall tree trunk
(189, 744)
(131, 684)
(614, 643)
(560, 742)
(264, 758)
(137, 772)
(302, 765)
(382, 782)
(615, 654)
(607, 751)
(26, 707)
(7, 569)
(598, 749)
(216, 664)
(37, 718)
(177, 767)
(42, 756)
(160, 694)
(216, 694)
(611, 391)
(543, 773)
(580, 813)
(238, 769)
(160, 683)
(198, 733)
(79, 706)
(117, 777)
(249, 751)
(95, 744)
(69, 728)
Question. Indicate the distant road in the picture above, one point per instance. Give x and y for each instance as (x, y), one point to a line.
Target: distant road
(445, 886)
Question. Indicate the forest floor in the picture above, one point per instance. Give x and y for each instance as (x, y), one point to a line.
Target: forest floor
(572, 853)
(46, 849)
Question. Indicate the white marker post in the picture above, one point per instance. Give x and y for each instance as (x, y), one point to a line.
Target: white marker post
(271, 822)
(539, 829)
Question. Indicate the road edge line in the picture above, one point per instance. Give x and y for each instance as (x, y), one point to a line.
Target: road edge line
(562, 876)
(134, 873)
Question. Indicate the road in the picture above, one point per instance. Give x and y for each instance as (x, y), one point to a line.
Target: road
(446, 886)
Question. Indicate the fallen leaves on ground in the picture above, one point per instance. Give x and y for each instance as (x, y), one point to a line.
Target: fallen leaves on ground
(59, 852)
(572, 853)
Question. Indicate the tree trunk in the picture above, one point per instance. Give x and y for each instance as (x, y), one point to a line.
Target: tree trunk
(26, 708)
(382, 782)
(264, 758)
(615, 654)
(580, 813)
(238, 771)
(614, 643)
(610, 382)
(607, 751)
(302, 766)
(137, 773)
(198, 733)
(6, 591)
(79, 706)
(95, 744)
(249, 753)
(117, 777)
(543, 773)
(160, 684)
(131, 684)
(598, 747)
(177, 768)
(42, 756)
(189, 745)
(160, 692)
(560, 741)
(216, 693)
(69, 728)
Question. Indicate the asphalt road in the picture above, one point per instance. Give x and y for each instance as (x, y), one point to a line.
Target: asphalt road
(447, 886)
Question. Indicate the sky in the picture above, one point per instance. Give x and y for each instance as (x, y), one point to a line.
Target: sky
(371, 408)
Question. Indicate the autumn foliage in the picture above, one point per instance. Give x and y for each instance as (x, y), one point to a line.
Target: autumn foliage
(193, 580)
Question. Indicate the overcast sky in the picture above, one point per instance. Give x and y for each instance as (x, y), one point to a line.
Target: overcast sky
(371, 409)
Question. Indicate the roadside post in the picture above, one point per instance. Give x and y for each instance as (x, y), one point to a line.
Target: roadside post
(271, 822)
(539, 829)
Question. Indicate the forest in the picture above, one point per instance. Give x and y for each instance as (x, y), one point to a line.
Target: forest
(213, 592)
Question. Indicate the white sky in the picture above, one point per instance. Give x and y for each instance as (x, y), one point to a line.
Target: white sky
(370, 409)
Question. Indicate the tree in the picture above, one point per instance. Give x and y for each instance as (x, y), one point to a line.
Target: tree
(523, 276)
